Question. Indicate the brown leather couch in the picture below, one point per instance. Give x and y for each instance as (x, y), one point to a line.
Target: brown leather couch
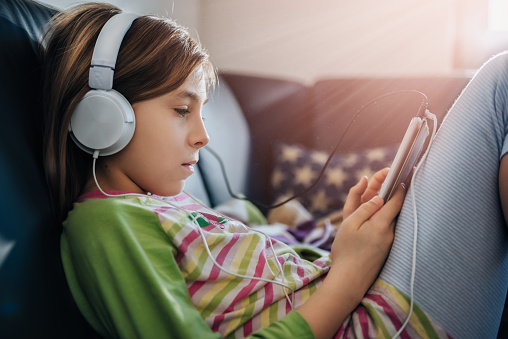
(316, 116)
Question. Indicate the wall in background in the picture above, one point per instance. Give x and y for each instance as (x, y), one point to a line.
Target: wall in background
(309, 40)
(304, 40)
(185, 12)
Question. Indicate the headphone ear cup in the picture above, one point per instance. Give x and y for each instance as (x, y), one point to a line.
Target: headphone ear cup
(102, 121)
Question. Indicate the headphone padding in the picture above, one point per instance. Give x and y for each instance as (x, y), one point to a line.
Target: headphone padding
(102, 121)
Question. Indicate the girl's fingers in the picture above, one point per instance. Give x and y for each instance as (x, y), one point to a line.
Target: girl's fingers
(375, 184)
(354, 197)
(392, 208)
(365, 211)
(380, 216)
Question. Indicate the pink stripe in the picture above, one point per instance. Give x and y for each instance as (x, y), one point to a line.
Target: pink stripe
(389, 311)
(195, 286)
(344, 329)
(363, 320)
(179, 197)
(245, 292)
(288, 305)
(179, 257)
(268, 295)
(340, 332)
(272, 241)
(188, 240)
(268, 287)
(221, 257)
(319, 263)
(259, 268)
(217, 321)
(192, 207)
(268, 299)
(163, 209)
(214, 273)
(247, 328)
(212, 217)
(348, 328)
(300, 271)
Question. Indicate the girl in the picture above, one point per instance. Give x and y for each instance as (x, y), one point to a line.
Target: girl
(143, 259)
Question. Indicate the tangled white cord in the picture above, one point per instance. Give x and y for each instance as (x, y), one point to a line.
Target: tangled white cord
(207, 248)
(282, 283)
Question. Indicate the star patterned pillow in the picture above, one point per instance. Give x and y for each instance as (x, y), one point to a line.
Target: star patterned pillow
(296, 168)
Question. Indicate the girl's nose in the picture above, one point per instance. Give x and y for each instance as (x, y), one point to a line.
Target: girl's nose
(201, 137)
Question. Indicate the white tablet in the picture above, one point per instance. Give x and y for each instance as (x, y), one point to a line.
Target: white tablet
(406, 158)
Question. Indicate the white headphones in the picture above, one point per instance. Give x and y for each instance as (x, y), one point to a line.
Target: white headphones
(103, 121)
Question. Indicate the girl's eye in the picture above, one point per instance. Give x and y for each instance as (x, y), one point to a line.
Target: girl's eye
(182, 111)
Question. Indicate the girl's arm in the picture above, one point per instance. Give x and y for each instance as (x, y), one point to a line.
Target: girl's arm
(121, 268)
(360, 248)
(123, 274)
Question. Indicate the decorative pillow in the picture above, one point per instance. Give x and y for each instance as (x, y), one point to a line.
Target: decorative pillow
(297, 167)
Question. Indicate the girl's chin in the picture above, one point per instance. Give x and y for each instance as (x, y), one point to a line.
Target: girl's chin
(169, 191)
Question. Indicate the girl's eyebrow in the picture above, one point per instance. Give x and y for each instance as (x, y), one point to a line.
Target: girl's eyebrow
(193, 96)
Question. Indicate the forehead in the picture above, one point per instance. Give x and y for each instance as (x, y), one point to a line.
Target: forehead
(194, 86)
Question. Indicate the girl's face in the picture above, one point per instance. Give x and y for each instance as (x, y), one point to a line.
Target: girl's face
(169, 133)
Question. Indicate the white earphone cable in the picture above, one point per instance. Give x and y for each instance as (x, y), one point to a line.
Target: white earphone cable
(282, 283)
(207, 248)
(267, 239)
(415, 228)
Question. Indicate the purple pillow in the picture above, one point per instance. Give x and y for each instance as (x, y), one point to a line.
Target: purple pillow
(297, 167)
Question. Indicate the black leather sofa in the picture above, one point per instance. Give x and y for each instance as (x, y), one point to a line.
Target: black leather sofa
(34, 299)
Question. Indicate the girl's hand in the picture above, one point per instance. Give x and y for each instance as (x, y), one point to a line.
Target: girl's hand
(359, 250)
(370, 188)
(365, 237)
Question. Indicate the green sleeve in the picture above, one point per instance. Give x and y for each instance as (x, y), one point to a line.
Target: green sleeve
(121, 268)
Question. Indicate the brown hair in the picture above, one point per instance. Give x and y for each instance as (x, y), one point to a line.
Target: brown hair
(156, 57)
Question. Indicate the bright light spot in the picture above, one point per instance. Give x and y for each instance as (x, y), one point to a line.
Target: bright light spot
(5, 248)
(498, 12)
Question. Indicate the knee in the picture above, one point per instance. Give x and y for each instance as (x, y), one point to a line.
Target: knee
(498, 62)
(492, 78)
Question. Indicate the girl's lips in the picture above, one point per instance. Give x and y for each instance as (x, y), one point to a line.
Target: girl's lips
(190, 166)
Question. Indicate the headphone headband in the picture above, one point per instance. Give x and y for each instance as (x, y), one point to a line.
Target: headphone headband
(106, 50)
(103, 122)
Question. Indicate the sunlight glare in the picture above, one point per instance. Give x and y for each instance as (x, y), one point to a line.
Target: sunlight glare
(498, 10)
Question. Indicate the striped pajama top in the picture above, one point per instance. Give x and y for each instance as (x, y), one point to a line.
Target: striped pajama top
(139, 267)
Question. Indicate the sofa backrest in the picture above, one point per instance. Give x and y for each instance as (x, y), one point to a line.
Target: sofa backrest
(34, 299)
(382, 122)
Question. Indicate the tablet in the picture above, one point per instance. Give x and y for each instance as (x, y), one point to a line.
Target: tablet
(407, 156)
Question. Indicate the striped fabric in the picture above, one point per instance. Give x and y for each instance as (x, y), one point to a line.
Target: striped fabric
(231, 305)
(237, 307)
(382, 313)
